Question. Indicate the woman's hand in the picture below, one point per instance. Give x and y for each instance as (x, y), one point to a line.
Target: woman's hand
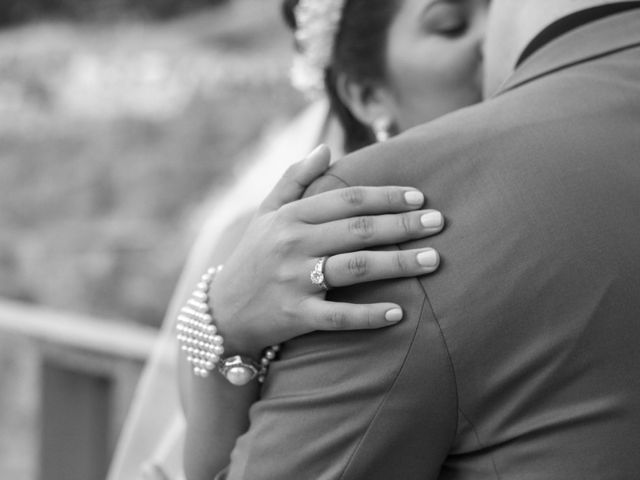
(264, 294)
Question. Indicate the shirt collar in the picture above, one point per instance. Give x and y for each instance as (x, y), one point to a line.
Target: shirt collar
(571, 22)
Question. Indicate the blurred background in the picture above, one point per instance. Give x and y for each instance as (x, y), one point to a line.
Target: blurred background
(118, 120)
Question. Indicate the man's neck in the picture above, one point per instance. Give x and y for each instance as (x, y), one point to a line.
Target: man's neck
(513, 24)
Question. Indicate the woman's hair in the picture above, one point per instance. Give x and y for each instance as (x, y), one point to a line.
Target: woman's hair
(359, 53)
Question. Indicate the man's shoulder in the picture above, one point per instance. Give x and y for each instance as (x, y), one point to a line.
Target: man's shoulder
(443, 152)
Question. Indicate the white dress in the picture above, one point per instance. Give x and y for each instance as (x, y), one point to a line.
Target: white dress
(150, 445)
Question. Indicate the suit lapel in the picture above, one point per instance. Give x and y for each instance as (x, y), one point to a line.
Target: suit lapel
(593, 40)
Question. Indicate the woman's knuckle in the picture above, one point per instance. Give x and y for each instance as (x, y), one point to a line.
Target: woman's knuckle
(392, 196)
(370, 318)
(285, 275)
(353, 196)
(337, 320)
(402, 265)
(285, 242)
(290, 312)
(404, 221)
(290, 173)
(358, 265)
(285, 211)
(363, 227)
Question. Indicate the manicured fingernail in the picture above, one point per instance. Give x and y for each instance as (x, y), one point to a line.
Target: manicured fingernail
(431, 219)
(414, 197)
(393, 315)
(428, 258)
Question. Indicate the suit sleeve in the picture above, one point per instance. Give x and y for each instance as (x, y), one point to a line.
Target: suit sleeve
(356, 405)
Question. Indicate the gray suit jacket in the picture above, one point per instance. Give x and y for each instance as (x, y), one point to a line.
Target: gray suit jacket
(520, 358)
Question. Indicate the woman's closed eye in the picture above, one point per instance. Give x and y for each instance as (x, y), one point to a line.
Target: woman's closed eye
(447, 18)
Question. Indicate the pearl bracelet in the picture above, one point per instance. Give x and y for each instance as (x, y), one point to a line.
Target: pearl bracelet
(204, 345)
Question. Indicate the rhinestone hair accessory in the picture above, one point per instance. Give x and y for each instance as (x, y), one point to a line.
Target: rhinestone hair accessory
(317, 24)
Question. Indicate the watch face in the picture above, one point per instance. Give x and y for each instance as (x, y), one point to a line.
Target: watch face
(240, 375)
(239, 370)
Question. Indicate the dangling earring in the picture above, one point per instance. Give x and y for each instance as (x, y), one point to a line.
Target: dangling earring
(382, 129)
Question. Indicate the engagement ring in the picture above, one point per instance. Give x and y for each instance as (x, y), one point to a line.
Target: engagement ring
(317, 274)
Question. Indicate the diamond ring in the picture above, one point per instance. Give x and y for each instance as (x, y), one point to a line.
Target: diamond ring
(317, 274)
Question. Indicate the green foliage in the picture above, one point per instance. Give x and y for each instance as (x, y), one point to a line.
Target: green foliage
(18, 11)
(97, 209)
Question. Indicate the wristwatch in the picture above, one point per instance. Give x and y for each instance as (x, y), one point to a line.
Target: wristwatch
(239, 370)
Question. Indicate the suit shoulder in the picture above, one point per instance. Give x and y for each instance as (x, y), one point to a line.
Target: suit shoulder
(324, 184)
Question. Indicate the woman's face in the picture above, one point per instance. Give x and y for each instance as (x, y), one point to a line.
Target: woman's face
(434, 59)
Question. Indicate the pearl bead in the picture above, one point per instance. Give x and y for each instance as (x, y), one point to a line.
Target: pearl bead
(200, 295)
(192, 302)
(204, 346)
(218, 350)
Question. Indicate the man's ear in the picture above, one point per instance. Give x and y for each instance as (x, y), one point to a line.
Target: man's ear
(367, 102)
